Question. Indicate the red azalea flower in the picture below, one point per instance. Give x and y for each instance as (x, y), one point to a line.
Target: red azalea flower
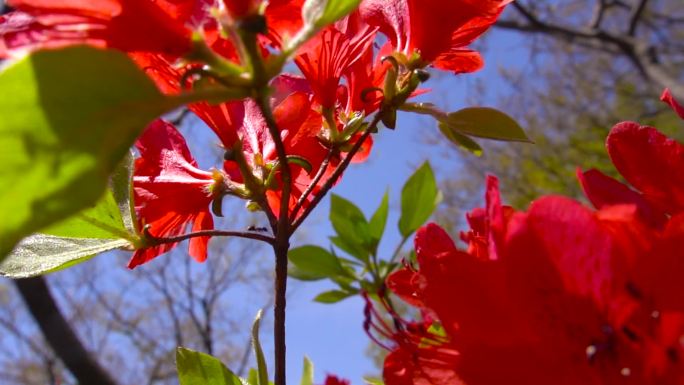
(283, 19)
(170, 192)
(411, 26)
(334, 380)
(487, 225)
(128, 25)
(241, 8)
(417, 354)
(327, 57)
(651, 162)
(669, 99)
(574, 297)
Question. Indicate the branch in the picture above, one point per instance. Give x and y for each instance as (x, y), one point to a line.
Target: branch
(640, 54)
(312, 185)
(338, 171)
(635, 17)
(155, 241)
(59, 334)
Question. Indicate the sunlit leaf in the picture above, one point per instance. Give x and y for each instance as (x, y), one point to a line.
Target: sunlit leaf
(349, 223)
(485, 122)
(262, 370)
(461, 140)
(313, 263)
(41, 254)
(320, 13)
(419, 199)
(68, 118)
(307, 372)
(106, 226)
(195, 368)
(376, 225)
(333, 296)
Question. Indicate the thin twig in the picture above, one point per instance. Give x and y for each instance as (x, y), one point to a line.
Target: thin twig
(338, 172)
(312, 185)
(636, 17)
(211, 233)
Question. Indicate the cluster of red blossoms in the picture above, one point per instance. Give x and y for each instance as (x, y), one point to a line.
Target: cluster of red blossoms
(560, 293)
(183, 43)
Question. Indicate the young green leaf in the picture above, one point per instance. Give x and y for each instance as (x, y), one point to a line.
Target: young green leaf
(319, 13)
(349, 223)
(485, 122)
(378, 221)
(111, 217)
(195, 368)
(461, 140)
(68, 118)
(307, 372)
(313, 263)
(419, 199)
(262, 370)
(356, 251)
(373, 381)
(333, 296)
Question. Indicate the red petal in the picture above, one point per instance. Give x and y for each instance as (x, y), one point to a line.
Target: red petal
(602, 191)
(651, 162)
(432, 240)
(198, 246)
(669, 99)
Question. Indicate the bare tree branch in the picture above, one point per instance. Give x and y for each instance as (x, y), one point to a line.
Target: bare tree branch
(59, 333)
(641, 54)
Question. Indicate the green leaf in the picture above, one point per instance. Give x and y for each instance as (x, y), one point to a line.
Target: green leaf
(195, 368)
(373, 381)
(313, 262)
(111, 217)
(377, 223)
(356, 251)
(461, 140)
(262, 370)
(41, 254)
(333, 296)
(485, 122)
(419, 199)
(307, 372)
(349, 223)
(253, 377)
(68, 118)
(105, 227)
(319, 13)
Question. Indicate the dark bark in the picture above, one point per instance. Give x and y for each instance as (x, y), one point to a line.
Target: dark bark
(59, 334)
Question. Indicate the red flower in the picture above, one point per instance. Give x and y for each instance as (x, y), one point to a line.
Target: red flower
(241, 8)
(573, 297)
(417, 355)
(170, 192)
(128, 25)
(327, 57)
(669, 99)
(334, 380)
(411, 26)
(650, 162)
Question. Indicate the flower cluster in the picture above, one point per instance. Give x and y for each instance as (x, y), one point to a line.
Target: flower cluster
(242, 45)
(560, 293)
